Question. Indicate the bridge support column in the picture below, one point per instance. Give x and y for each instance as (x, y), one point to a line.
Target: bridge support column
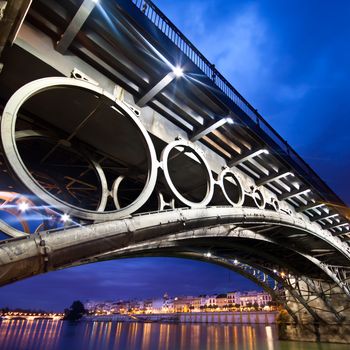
(333, 324)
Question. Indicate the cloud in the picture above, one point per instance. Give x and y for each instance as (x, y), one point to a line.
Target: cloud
(289, 93)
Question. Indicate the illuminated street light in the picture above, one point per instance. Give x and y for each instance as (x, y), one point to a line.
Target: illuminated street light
(178, 72)
(65, 217)
(23, 206)
(229, 120)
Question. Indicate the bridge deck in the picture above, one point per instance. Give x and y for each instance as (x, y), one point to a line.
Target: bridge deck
(134, 44)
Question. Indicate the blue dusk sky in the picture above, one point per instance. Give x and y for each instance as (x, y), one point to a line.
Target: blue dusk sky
(291, 61)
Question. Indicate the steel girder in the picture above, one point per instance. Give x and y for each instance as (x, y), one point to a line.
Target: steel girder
(177, 221)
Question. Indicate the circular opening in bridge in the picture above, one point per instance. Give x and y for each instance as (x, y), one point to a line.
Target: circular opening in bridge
(231, 187)
(90, 141)
(187, 174)
(275, 204)
(258, 198)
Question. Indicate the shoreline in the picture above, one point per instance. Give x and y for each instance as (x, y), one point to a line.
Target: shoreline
(229, 317)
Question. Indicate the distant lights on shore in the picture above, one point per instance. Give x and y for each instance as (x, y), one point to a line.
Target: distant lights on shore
(236, 262)
(207, 255)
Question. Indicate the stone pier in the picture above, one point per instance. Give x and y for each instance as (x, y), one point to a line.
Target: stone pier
(324, 318)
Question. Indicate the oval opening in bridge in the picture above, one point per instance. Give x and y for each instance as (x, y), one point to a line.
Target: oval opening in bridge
(89, 141)
(187, 174)
(259, 199)
(232, 188)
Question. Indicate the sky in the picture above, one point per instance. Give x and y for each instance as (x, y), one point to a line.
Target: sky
(290, 60)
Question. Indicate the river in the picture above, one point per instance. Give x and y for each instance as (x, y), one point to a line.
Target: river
(60, 335)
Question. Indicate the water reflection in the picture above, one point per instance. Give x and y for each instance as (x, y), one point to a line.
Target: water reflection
(59, 335)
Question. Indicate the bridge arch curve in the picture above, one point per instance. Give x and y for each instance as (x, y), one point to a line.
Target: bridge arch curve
(69, 245)
(265, 278)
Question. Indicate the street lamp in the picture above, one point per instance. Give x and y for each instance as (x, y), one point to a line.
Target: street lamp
(65, 217)
(178, 71)
(23, 206)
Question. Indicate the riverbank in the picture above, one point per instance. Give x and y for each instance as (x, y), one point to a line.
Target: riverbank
(258, 317)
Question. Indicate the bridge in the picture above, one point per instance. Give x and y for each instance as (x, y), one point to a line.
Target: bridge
(120, 139)
(28, 316)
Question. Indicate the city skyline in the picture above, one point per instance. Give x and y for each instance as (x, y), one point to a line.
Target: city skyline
(154, 277)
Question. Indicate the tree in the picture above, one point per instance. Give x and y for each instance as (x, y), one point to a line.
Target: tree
(75, 312)
(282, 319)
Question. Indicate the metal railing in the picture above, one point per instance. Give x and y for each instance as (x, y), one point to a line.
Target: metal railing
(157, 17)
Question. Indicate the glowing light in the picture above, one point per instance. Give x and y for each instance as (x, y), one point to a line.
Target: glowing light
(178, 71)
(65, 217)
(23, 206)
(229, 120)
(283, 274)
(235, 261)
(274, 271)
(208, 255)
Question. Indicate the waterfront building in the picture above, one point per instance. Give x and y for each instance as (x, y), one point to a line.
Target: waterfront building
(187, 303)
(252, 298)
(221, 301)
(233, 298)
(211, 301)
(167, 304)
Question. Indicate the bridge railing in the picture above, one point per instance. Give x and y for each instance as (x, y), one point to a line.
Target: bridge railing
(157, 17)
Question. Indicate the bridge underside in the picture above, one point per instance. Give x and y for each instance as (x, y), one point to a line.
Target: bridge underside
(131, 160)
(315, 302)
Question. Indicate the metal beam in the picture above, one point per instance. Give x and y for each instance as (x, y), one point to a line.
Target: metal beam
(294, 193)
(75, 25)
(247, 156)
(327, 216)
(156, 89)
(330, 226)
(207, 129)
(341, 233)
(273, 177)
(312, 205)
(12, 14)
